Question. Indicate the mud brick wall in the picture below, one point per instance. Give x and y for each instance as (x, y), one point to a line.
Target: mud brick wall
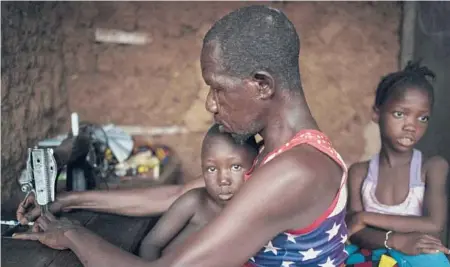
(50, 60)
(34, 98)
(346, 47)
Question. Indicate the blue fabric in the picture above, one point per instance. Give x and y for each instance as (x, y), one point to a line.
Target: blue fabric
(421, 260)
(403, 260)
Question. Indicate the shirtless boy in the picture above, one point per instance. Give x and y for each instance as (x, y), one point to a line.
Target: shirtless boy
(224, 163)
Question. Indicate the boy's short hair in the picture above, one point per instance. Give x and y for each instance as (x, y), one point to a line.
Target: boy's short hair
(249, 144)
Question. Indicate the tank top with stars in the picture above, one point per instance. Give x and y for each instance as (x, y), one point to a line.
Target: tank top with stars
(321, 243)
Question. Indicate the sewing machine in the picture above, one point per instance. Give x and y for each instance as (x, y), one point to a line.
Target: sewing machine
(40, 176)
(45, 162)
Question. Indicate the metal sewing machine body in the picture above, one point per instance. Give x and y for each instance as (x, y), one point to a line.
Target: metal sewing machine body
(81, 154)
(40, 176)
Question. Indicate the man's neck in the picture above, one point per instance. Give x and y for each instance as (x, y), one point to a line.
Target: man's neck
(290, 116)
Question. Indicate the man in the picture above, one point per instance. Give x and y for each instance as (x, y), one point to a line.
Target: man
(290, 211)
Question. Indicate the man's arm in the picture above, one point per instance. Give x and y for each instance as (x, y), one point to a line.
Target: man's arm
(170, 224)
(296, 178)
(133, 202)
(433, 221)
(369, 238)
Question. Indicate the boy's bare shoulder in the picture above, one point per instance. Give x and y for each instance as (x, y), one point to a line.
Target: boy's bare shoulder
(194, 196)
(197, 199)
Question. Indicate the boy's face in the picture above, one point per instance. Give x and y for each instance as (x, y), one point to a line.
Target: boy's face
(403, 119)
(224, 165)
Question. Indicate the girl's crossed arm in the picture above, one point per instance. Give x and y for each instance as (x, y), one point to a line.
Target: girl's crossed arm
(435, 204)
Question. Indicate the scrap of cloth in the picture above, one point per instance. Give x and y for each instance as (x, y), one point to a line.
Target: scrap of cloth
(392, 258)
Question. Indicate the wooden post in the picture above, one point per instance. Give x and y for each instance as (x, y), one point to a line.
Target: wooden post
(408, 32)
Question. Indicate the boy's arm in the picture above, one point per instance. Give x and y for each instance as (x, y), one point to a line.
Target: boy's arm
(435, 203)
(170, 224)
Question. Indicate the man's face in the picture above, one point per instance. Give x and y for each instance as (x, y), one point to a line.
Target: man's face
(233, 101)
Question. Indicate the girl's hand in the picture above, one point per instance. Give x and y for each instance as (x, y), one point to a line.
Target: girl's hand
(417, 243)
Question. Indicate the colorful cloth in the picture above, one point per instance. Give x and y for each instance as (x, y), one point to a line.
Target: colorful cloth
(364, 257)
(392, 258)
(320, 244)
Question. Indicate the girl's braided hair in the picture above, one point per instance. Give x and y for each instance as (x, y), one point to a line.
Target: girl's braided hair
(413, 75)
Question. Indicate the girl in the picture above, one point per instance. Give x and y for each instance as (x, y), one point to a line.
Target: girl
(398, 198)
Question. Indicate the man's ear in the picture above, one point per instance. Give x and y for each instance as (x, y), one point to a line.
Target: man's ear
(265, 84)
(375, 114)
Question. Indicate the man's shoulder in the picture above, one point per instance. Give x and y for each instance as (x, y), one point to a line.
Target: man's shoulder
(309, 158)
(301, 175)
(307, 162)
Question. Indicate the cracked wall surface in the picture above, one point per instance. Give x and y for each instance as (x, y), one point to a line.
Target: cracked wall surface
(34, 97)
(51, 64)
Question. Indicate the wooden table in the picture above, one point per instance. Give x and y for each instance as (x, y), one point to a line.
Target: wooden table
(121, 231)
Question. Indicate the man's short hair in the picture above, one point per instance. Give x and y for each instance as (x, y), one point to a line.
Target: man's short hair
(258, 38)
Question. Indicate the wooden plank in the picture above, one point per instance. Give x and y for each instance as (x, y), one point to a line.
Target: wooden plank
(408, 32)
(20, 253)
(5, 229)
(7, 215)
(124, 232)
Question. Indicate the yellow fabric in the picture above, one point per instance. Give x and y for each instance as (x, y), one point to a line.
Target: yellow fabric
(386, 261)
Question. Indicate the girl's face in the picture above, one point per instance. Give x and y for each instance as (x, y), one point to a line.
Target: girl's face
(403, 119)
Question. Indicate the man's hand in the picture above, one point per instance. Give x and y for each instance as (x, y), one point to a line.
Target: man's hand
(417, 243)
(50, 231)
(29, 210)
(355, 223)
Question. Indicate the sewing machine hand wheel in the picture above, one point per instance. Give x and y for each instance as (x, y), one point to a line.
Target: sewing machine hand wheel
(82, 173)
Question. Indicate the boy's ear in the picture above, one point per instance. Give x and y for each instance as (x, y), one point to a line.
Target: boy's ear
(375, 114)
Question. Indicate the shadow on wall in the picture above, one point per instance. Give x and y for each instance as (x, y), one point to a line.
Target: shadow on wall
(346, 48)
(432, 44)
(49, 55)
(34, 96)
